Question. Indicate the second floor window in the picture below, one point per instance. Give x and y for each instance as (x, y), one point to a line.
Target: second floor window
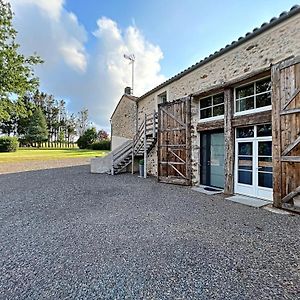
(253, 96)
(212, 106)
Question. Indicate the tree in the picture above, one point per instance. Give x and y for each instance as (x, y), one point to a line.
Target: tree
(37, 130)
(82, 121)
(102, 135)
(88, 138)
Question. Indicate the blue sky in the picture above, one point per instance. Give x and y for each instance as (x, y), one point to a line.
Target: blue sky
(83, 42)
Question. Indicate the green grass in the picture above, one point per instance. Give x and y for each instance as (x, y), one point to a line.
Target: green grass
(48, 154)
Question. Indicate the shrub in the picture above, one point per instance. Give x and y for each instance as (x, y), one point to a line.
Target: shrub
(87, 139)
(8, 144)
(103, 145)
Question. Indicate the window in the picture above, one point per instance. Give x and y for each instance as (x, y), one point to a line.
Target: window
(162, 98)
(212, 106)
(255, 95)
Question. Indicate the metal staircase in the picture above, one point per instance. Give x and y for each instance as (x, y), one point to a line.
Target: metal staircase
(140, 146)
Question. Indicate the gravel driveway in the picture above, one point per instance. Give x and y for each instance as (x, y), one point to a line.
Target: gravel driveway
(69, 234)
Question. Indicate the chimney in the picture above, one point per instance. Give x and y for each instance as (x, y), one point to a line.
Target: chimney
(127, 90)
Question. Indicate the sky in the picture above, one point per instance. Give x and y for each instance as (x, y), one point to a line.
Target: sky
(83, 42)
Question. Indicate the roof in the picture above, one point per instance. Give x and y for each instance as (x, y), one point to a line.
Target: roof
(130, 97)
(256, 31)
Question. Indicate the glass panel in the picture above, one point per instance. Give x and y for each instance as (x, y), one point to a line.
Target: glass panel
(245, 149)
(205, 113)
(265, 179)
(245, 104)
(245, 163)
(218, 99)
(217, 160)
(206, 102)
(218, 110)
(245, 177)
(264, 130)
(245, 132)
(263, 100)
(245, 91)
(265, 148)
(263, 85)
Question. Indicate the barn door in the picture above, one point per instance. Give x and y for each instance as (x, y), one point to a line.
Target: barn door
(174, 142)
(286, 132)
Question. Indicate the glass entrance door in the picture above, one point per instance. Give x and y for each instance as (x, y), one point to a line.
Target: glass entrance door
(253, 171)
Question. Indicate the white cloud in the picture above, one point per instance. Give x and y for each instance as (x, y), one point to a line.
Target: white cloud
(94, 79)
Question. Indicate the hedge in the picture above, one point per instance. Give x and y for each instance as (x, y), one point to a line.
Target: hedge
(103, 145)
(8, 144)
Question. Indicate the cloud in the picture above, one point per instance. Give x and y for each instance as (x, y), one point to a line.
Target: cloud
(93, 78)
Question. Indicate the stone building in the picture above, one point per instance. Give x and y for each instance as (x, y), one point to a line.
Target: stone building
(221, 122)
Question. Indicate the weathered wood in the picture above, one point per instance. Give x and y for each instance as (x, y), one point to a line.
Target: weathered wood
(276, 136)
(173, 117)
(289, 62)
(188, 141)
(292, 98)
(252, 119)
(295, 159)
(290, 111)
(228, 142)
(291, 146)
(291, 195)
(211, 125)
(145, 150)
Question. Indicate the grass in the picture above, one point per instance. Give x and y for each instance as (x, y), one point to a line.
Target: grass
(23, 155)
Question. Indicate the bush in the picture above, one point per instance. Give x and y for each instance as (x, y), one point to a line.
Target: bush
(8, 144)
(103, 145)
(87, 139)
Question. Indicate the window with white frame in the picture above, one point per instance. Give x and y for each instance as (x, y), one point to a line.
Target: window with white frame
(253, 96)
(212, 106)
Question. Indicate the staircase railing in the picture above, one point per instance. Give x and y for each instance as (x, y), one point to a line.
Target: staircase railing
(120, 154)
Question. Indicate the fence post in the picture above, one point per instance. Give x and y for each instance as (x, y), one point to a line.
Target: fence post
(145, 148)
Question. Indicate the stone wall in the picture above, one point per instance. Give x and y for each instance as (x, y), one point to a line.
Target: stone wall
(274, 45)
(123, 121)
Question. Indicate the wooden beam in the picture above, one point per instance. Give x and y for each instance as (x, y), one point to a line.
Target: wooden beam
(210, 125)
(229, 142)
(292, 159)
(289, 62)
(253, 119)
(173, 117)
(276, 136)
(290, 111)
(291, 146)
(291, 99)
(291, 195)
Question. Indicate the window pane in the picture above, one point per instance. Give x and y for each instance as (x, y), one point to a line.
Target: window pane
(206, 102)
(245, 163)
(264, 130)
(265, 148)
(218, 110)
(263, 86)
(265, 180)
(245, 104)
(218, 99)
(263, 100)
(245, 132)
(205, 113)
(245, 177)
(245, 149)
(245, 91)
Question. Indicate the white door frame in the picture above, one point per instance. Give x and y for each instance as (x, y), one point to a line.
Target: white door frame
(253, 190)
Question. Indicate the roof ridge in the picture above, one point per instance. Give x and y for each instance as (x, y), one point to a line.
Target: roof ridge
(249, 35)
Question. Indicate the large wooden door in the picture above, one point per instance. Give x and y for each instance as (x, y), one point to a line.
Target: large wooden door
(286, 132)
(174, 142)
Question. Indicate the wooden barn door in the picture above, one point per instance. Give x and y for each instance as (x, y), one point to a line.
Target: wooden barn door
(174, 142)
(286, 132)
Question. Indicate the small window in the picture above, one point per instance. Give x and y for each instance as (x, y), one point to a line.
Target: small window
(162, 98)
(245, 132)
(264, 130)
(254, 95)
(212, 106)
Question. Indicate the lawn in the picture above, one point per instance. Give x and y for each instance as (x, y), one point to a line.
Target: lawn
(23, 155)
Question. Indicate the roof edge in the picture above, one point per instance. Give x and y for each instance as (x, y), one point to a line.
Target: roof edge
(250, 35)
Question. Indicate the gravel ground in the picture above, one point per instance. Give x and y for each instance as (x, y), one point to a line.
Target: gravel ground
(14, 167)
(69, 234)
